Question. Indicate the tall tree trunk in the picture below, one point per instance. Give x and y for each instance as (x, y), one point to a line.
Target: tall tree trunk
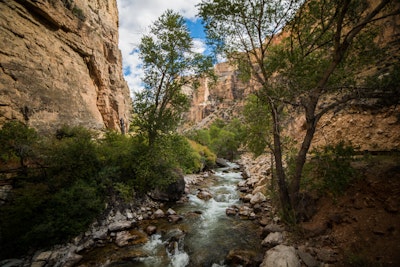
(301, 158)
(280, 172)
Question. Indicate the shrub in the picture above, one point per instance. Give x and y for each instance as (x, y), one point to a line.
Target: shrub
(17, 143)
(205, 156)
(330, 169)
(224, 139)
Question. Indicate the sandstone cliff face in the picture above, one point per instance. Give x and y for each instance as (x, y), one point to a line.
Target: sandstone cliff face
(60, 64)
(222, 99)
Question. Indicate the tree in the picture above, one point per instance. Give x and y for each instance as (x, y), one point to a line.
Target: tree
(169, 64)
(17, 142)
(299, 52)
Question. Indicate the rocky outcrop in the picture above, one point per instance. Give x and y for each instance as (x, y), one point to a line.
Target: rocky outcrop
(60, 64)
(222, 99)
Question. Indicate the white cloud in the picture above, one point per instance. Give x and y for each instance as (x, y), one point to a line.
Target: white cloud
(135, 17)
(199, 46)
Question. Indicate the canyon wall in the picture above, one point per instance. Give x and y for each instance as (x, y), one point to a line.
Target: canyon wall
(60, 64)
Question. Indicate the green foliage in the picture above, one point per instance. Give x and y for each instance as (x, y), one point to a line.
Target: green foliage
(205, 158)
(74, 173)
(169, 64)
(258, 125)
(330, 169)
(223, 139)
(17, 142)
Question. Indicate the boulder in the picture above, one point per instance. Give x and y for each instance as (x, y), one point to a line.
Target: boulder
(174, 218)
(258, 198)
(171, 212)
(260, 188)
(231, 211)
(172, 192)
(151, 229)
(159, 213)
(246, 174)
(204, 195)
(247, 198)
(221, 162)
(272, 240)
(100, 234)
(242, 183)
(272, 227)
(118, 226)
(245, 211)
(281, 256)
(123, 238)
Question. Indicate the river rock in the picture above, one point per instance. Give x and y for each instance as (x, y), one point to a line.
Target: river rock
(257, 198)
(171, 212)
(238, 257)
(272, 240)
(247, 198)
(281, 256)
(232, 211)
(271, 228)
(260, 188)
(100, 234)
(221, 162)
(159, 213)
(204, 195)
(151, 229)
(118, 226)
(245, 211)
(174, 218)
(246, 173)
(123, 238)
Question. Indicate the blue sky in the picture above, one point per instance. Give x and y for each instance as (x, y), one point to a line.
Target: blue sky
(135, 17)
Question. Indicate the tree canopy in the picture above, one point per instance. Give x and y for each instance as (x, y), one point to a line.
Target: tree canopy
(169, 63)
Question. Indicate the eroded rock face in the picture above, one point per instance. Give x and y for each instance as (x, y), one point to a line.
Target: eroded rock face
(60, 64)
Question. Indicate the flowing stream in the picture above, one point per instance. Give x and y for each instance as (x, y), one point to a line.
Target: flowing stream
(206, 234)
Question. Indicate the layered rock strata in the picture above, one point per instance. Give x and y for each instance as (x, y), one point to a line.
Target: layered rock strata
(60, 64)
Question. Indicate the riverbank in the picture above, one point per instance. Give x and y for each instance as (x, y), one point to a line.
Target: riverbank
(358, 228)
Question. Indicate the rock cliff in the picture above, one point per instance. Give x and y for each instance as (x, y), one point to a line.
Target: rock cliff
(60, 64)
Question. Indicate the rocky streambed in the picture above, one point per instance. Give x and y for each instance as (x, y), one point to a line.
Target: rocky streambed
(224, 219)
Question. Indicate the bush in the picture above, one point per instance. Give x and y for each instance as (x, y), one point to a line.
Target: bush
(204, 155)
(17, 144)
(224, 139)
(330, 169)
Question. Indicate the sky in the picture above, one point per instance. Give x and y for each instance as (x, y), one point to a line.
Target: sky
(135, 17)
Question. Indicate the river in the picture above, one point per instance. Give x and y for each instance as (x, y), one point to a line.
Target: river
(206, 234)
